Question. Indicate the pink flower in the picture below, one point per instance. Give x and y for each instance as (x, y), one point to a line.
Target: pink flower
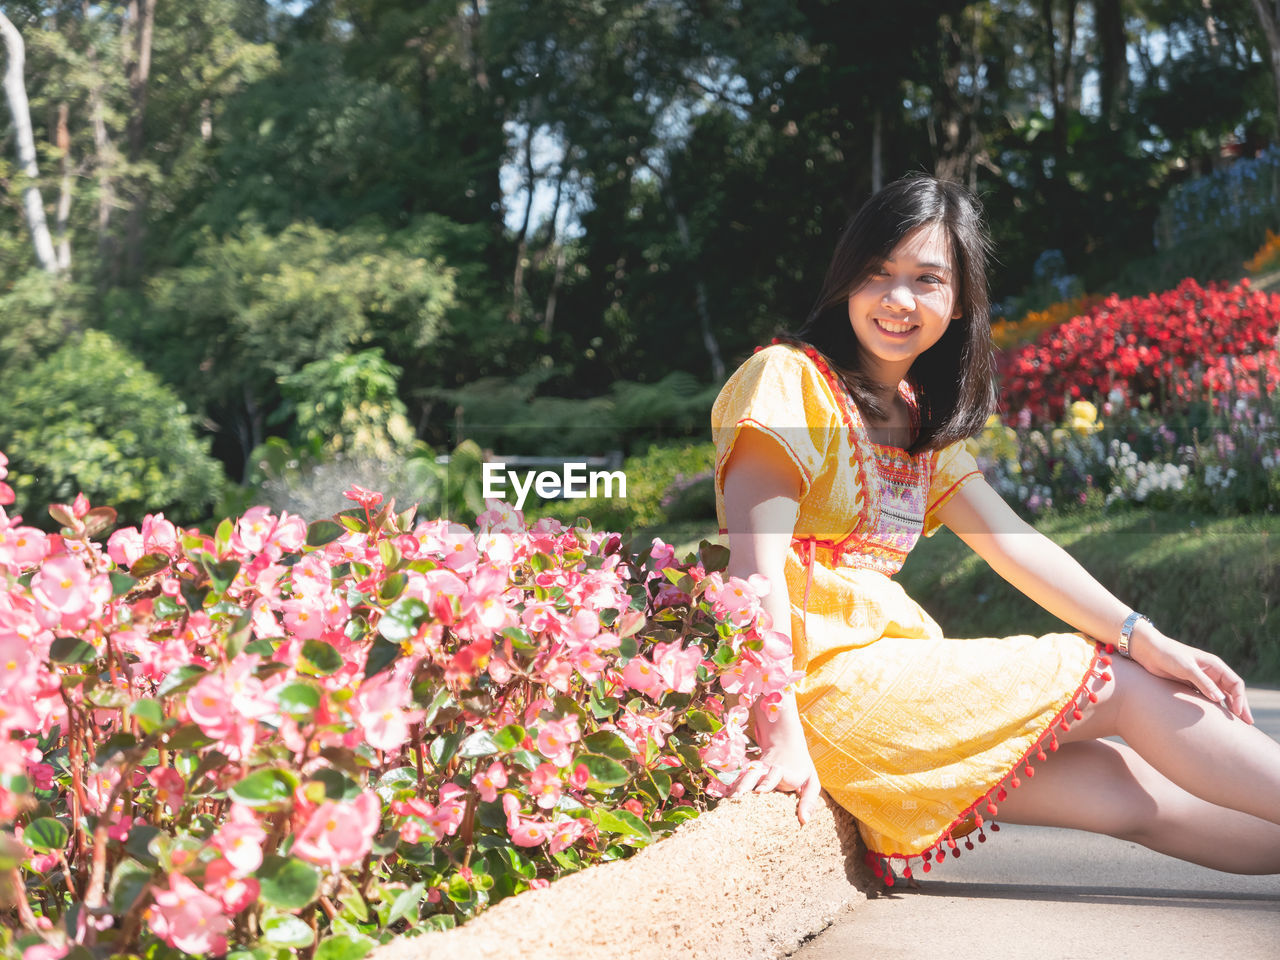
(62, 584)
(556, 739)
(380, 709)
(125, 547)
(169, 787)
(639, 674)
(304, 617)
(339, 832)
(678, 668)
(22, 546)
(511, 807)
(544, 784)
(566, 832)
(490, 781)
(240, 840)
(45, 951)
(186, 917)
(449, 812)
(232, 889)
(529, 833)
(366, 498)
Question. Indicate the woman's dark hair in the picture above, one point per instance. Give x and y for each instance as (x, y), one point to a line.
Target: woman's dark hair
(954, 380)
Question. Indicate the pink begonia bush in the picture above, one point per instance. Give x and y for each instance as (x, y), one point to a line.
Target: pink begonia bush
(288, 737)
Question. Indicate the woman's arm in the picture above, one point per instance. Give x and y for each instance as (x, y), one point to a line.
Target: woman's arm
(1052, 578)
(761, 499)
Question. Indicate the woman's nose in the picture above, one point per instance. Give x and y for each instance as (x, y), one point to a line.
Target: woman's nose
(899, 295)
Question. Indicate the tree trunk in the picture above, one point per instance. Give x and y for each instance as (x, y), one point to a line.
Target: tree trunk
(522, 237)
(549, 312)
(104, 155)
(142, 13)
(700, 295)
(1268, 16)
(62, 138)
(1113, 68)
(15, 90)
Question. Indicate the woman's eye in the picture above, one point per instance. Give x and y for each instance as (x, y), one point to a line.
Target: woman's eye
(930, 278)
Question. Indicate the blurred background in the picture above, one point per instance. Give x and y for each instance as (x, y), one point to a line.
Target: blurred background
(256, 251)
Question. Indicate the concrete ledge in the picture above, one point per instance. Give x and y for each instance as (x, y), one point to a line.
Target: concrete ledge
(744, 881)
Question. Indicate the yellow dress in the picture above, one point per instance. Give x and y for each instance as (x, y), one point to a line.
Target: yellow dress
(916, 734)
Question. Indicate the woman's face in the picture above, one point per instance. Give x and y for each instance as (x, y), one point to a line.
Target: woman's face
(907, 304)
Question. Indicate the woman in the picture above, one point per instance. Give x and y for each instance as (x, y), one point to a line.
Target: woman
(835, 450)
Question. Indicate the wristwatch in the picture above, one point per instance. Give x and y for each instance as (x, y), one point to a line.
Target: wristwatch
(1126, 631)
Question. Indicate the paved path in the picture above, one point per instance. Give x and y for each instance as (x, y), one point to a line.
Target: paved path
(1045, 894)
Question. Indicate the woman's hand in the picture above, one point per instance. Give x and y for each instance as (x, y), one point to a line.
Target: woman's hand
(1165, 657)
(784, 764)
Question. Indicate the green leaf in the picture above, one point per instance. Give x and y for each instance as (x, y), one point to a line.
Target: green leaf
(520, 639)
(117, 743)
(603, 771)
(149, 713)
(703, 722)
(270, 788)
(187, 736)
(393, 781)
(106, 696)
(148, 565)
(322, 532)
(337, 785)
(221, 573)
(681, 814)
(298, 700)
(240, 634)
(222, 535)
(121, 583)
(344, 946)
(392, 587)
(623, 822)
(45, 835)
(389, 554)
(444, 746)
(714, 556)
(479, 744)
(180, 679)
(287, 882)
(608, 744)
(71, 650)
(509, 737)
(402, 619)
(382, 654)
(285, 930)
(406, 901)
(602, 707)
(657, 785)
(98, 520)
(138, 845)
(128, 880)
(319, 659)
(166, 608)
(439, 701)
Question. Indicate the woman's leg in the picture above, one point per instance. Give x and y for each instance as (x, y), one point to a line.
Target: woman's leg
(1106, 787)
(1191, 741)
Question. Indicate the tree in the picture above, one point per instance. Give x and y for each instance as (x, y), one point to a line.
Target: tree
(15, 89)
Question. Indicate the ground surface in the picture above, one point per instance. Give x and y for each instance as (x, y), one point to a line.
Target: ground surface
(1055, 894)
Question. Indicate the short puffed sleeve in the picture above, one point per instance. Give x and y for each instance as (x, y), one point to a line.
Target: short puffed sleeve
(953, 468)
(779, 392)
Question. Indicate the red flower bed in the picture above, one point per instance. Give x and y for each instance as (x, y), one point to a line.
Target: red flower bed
(1181, 345)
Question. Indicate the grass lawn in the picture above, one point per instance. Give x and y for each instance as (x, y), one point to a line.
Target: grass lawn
(1209, 581)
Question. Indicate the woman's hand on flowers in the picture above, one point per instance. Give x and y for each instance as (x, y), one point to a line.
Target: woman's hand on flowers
(1165, 657)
